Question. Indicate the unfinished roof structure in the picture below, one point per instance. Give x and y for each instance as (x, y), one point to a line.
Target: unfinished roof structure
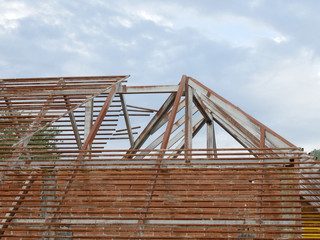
(74, 164)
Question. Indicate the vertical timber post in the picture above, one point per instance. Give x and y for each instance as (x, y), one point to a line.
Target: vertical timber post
(88, 121)
(211, 138)
(188, 120)
(127, 120)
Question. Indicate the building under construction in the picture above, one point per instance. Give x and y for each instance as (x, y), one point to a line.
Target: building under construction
(78, 161)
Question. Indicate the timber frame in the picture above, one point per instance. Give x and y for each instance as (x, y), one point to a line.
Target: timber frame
(59, 180)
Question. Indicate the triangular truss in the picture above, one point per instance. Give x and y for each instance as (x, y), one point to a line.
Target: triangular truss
(31, 105)
(249, 132)
(66, 142)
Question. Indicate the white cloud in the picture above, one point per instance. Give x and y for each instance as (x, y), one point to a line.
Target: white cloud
(236, 29)
(153, 17)
(11, 12)
(121, 21)
(280, 39)
(52, 13)
(146, 36)
(145, 11)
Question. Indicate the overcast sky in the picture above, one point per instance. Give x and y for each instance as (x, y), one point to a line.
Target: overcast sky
(262, 55)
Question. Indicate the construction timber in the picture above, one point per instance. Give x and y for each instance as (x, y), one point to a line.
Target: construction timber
(74, 165)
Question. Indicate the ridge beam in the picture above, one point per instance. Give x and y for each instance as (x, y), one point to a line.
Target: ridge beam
(149, 89)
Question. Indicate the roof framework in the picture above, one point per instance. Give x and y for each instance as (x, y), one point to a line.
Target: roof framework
(59, 179)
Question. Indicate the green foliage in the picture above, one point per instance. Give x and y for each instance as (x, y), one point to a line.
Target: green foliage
(11, 133)
(316, 153)
(45, 139)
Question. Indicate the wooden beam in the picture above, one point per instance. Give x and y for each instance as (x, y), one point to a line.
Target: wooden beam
(158, 140)
(188, 120)
(188, 115)
(163, 146)
(165, 119)
(100, 117)
(92, 94)
(127, 119)
(73, 123)
(88, 119)
(124, 90)
(211, 138)
(173, 113)
(45, 107)
(17, 153)
(149, 89)
(218, 99)
(195, 124)
(201, 106)
(154, 121)
(262, 137)
(75, 129)
(239, 136)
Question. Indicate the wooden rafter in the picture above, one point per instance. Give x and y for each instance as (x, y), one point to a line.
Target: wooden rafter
(100, 117)
(176, 102)
(154, 122)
